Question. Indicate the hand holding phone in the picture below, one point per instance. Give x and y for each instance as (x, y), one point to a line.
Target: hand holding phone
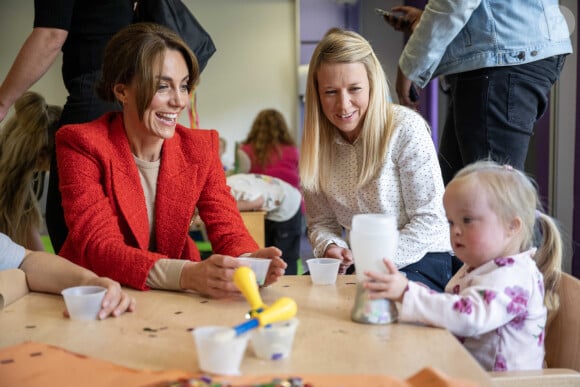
(396, 20)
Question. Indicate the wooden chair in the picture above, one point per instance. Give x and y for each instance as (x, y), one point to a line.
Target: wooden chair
(562, 345)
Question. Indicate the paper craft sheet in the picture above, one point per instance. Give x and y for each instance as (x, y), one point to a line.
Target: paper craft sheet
(37, 364)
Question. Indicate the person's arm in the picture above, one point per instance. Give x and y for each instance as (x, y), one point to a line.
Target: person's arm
(46, 272)
(421, 187)
(250, 205)
(35, 241)
(323, 227)
(35, 57)
(440, 23)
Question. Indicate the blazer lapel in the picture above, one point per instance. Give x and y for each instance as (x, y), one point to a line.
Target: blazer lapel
(175, 202)
(126, 185)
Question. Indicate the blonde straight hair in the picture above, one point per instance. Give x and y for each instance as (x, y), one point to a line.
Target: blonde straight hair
(512, 194)
(341, 46)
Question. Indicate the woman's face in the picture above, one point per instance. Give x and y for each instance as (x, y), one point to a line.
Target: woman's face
(344, 91)
(160, 117)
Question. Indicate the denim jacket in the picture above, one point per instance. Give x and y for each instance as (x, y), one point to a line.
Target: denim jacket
(461, 35)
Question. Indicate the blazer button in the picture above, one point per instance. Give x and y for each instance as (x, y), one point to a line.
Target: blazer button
(521, 55)
(534, 53)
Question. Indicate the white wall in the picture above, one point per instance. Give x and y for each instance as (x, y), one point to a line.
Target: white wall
(254, 67)
(16, 18)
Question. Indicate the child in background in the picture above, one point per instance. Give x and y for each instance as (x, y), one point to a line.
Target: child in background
(283, 226)
(269, 149)
(24, 151)
(496, 303)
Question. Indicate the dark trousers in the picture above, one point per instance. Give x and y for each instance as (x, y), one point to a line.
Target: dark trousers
(286, 236)
(433, 270)
(82, 105)
(492, 112)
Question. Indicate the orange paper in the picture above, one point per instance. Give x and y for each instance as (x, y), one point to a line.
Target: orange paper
(36, 364)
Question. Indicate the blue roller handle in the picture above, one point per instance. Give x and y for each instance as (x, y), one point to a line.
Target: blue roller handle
(246, 326)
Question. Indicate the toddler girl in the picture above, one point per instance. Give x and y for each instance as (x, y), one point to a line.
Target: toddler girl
(497, 303)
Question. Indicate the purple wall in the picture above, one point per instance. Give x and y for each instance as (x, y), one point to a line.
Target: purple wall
(576, 216)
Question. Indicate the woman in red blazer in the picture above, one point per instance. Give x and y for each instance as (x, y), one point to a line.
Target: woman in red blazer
(130, 181)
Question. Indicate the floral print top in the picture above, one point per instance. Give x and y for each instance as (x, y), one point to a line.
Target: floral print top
(496, 310)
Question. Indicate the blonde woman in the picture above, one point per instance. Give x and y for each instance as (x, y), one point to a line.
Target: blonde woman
(24, 151)
(362, 154)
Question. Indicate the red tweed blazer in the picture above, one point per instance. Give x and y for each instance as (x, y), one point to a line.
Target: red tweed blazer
(104, 203)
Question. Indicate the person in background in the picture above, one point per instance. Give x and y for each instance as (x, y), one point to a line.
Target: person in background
(49, 273)
(131, 180)
(498, 78)
(25, 153)
(498, 301)
(363, 154)
(80, 29)
(269, 149)
(282, 202)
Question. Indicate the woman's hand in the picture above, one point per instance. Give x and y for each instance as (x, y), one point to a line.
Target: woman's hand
(344, 255)
(116, 301)
(407, 20)
(212, 277)
(403, 86)
(391, 286)
(277, 266)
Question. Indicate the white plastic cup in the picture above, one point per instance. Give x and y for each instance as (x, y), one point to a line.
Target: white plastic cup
(274, 341)
(259, 266)
(84, 302)
(219, 354)
(323, 271)
(372, 238)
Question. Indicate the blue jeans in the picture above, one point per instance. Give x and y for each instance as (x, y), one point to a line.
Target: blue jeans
(492, 112)
(82, 105)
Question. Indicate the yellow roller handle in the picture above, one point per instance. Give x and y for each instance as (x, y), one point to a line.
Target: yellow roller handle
(245, 280)
(283, 309)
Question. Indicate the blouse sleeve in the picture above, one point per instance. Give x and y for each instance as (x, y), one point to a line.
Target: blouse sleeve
(422, 190)
(11, 254)
(323, 227)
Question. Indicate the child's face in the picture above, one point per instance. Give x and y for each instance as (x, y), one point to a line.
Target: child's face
(477, 234)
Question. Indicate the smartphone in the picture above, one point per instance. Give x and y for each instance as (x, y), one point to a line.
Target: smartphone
(413, 94)
(386, 15)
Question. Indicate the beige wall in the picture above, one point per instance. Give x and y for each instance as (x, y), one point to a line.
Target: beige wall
(255, 65)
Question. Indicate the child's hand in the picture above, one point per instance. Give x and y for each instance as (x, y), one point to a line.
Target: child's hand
(116, 301)
(391, 286)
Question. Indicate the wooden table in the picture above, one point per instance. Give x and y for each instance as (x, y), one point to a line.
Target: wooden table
(254, 221)
(158, 334)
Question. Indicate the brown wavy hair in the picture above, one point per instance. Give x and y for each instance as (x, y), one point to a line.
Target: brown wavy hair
(269, 131)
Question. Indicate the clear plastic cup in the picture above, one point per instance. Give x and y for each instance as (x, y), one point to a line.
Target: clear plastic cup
(219, 354)
(84, 302)
(274, 341)
(323, 271)
(259, 266)
(372, 238)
